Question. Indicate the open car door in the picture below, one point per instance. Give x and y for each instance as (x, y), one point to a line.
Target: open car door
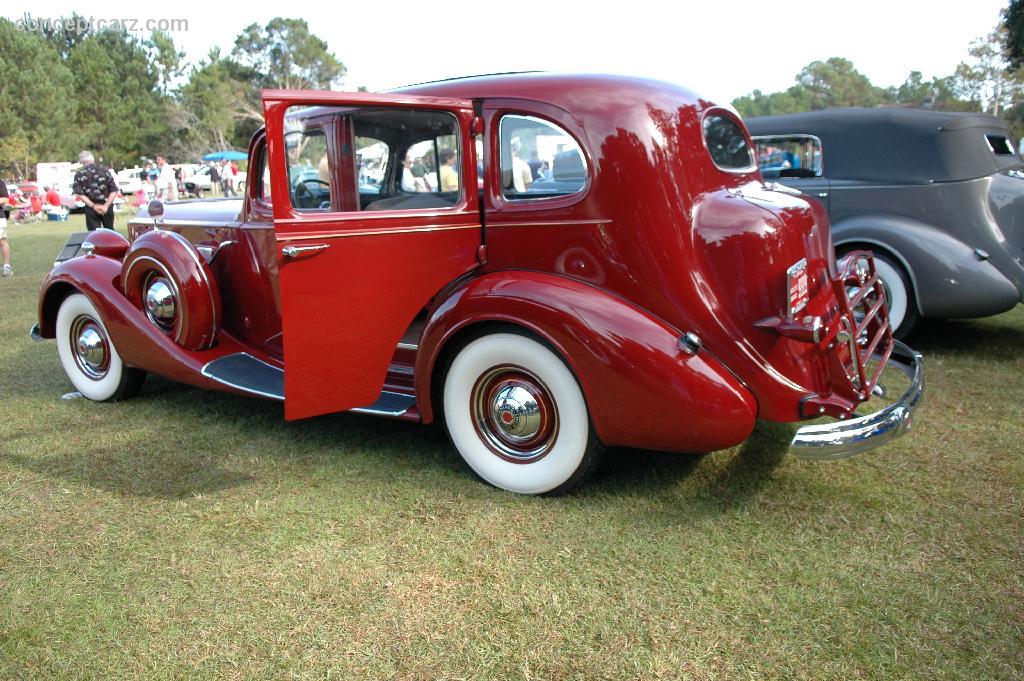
(375, 211)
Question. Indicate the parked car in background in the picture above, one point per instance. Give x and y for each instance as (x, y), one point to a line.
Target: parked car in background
(654, 294)
(938, 197)
(199, 182)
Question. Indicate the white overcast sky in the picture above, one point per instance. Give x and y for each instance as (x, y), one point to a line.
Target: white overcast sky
(720, 49)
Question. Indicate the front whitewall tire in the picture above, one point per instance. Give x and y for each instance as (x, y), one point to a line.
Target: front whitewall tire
(116, 380)
(573, 450)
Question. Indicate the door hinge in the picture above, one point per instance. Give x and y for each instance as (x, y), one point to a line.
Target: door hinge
(481, 254)
(477, 126)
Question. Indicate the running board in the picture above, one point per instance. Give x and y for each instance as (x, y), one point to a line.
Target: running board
(388, 404)
(244, 372)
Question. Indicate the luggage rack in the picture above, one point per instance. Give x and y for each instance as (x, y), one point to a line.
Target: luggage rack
(866, 333)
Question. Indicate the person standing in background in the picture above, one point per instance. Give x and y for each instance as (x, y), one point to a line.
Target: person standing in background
(165, 182)
(449, 176)
(95, 187)
(215, 185)
(227, 179)
(5, 250)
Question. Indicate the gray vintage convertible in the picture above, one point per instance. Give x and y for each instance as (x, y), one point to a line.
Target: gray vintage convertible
(938, 197)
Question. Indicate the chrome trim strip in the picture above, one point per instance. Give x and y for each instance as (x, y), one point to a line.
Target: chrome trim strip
(184, 223)
(376, 232)
(829, 441)
(387, 412)
(408, 346)
(250, 391)
(554, 223)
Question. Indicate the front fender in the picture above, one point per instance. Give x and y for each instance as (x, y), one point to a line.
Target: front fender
(139, 343)
(641, 389)
(949, 279)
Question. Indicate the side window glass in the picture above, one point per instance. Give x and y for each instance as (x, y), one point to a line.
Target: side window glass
(372, 157)
(538, 159)
(263, 172)
(309, 168)
(431, 166)
(349, 159)
(795, 156)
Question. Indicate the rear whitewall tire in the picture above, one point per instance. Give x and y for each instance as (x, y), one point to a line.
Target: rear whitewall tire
(563, 458)
(114, 380)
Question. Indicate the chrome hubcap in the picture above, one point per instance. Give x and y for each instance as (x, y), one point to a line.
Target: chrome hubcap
(514, 414)
(91, 348)
(160, 304)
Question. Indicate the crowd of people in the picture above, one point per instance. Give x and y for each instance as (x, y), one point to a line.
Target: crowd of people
(163, 181)
(97, 188)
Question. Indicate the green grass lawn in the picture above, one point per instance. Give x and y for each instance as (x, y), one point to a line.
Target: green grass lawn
(192, 534)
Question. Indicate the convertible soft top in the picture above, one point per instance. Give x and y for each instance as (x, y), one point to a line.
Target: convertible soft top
(901, 146)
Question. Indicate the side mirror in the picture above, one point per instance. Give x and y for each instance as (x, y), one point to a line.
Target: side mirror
(156, 208)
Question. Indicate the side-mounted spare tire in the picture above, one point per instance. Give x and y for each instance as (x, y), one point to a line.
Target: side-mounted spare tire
(167, 278)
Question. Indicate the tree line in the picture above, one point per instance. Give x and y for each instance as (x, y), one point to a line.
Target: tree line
(123, 95)
(65, 88)
(990, 80)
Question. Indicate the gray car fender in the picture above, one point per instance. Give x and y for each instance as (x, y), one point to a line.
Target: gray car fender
(950, 280)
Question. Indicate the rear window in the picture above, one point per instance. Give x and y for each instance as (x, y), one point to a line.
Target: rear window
(727, 144)
(1000, 145)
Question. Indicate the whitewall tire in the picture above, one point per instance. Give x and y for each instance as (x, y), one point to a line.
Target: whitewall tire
(517, 415)
(899, 296)
(88, 355)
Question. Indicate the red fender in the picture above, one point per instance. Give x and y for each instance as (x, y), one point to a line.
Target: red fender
(172, 258)
(642, 390)
(108, 243)
(140, 343)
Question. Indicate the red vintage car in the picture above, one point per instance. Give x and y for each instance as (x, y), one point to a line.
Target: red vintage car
(618, 274)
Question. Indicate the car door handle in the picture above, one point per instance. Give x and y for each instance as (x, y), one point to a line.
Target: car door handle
(296, 251)
(821, 195)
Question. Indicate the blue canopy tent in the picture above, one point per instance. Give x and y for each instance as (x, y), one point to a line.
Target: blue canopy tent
(228, 155)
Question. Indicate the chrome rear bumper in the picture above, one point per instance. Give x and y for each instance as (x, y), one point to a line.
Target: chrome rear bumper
(846, 438)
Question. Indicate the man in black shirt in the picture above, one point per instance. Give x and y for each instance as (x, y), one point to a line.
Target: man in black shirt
(95, 187)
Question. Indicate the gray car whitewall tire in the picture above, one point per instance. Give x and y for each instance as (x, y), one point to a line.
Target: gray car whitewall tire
(903, 314)
(99, 373)
(518, 417)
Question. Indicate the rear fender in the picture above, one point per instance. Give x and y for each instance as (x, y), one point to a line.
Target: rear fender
(949, 279)
(642, 389)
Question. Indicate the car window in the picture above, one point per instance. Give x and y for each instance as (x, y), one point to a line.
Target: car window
(727, 144)
(309, 169)
(429, 166)
(373, 158)
(789, 156)
(538, 159)
(263, 170)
